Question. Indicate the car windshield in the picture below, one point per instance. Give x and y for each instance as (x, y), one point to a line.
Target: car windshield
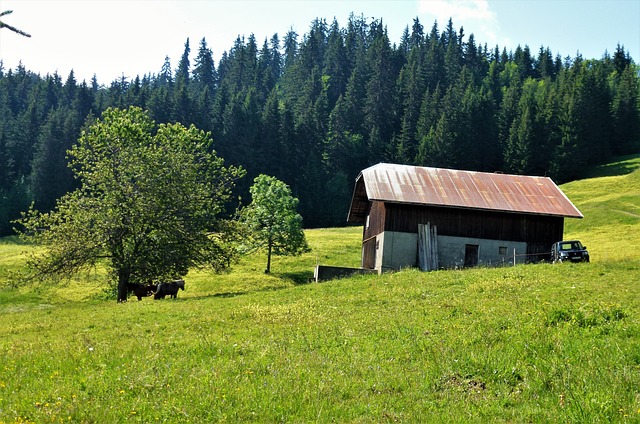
(571, 245)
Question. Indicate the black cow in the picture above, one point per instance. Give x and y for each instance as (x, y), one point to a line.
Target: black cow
(141, 291)
(169, 289)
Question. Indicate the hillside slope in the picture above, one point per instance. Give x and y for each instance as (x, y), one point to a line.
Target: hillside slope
(610, 203)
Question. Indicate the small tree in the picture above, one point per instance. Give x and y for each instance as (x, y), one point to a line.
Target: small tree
(272, 221)
(148, 204)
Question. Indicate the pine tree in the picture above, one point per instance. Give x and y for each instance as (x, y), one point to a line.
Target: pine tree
(596, 112)
(548, 128)
(405, 41)
(429, 116)
(625, 111)
(161, 104)
(621, 60)
(511, 87)
(438, 142)
(265, 80)
(165, 78)
(487, 152)
(84, 101)
(474, 59)
(344, 151)
(250, 63)
(183, 105)
(434, 60)
(69, 90)
(270, 149)
(182, 101)
(290, 48)
(520, 143)
(204, 71)
(276, 60)
(524, 61)
(336, 64)
(51, 178)
(544, 66)
(453, 53)
(571, 154)
(379, 105)
(417, 36)
(6, 170)
(411, 90)
(182, 73)
(22, 140)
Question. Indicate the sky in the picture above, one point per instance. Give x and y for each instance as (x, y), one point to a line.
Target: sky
(116, 38)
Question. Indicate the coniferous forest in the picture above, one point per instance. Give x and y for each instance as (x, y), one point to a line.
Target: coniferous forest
(313, 110)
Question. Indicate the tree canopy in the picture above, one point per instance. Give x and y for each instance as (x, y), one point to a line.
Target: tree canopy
(272, 221)
(149, 204)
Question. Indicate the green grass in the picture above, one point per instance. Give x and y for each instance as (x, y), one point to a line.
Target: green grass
(531, 343)
(611, 208)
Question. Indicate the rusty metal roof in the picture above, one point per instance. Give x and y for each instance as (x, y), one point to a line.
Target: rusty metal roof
(459, 189)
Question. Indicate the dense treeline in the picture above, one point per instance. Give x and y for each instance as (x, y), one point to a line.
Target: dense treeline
(315, 110)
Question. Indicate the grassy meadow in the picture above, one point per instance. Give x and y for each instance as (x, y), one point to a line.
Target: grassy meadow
(531, 343)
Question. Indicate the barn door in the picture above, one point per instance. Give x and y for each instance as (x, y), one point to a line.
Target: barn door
(471, 255)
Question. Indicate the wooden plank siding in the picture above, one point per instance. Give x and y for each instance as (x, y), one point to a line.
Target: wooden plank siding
(369, 253)
(539, 231)
(376, 220)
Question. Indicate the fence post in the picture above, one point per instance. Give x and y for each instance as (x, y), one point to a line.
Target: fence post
(514, 256)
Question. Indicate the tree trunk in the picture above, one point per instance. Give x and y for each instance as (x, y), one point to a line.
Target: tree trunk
(268, 270)
(123, 280)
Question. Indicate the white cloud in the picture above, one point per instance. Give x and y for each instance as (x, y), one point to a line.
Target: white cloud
(475, 16)
(457, 9)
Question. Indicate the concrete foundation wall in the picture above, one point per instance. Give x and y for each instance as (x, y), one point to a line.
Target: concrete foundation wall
(451, 251)
(396, 250)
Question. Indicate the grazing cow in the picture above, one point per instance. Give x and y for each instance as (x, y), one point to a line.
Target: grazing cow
(170, 289)
(141, 291)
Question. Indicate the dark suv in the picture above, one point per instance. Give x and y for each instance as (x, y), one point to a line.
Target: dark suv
(569, 251)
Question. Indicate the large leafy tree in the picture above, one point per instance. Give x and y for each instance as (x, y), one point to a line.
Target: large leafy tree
(271, 220)
(148, 205)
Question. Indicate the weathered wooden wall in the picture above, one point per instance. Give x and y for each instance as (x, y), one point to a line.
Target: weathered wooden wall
(376, 221)
(535, 229)
(538, 231)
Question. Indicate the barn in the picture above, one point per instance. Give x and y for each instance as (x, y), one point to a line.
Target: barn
(444, 218)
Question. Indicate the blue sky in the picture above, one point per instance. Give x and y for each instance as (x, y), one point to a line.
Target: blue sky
(113, 38)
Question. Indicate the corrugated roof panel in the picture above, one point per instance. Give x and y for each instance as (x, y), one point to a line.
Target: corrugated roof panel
(466, 189)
